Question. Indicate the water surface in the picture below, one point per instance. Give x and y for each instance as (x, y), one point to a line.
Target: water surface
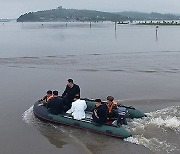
(130, 64)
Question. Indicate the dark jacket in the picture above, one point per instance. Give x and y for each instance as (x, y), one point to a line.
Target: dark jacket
(55, 105)
(69, 93)
(102, 112)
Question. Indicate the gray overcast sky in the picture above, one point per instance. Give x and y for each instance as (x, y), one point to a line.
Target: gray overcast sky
(14, 8)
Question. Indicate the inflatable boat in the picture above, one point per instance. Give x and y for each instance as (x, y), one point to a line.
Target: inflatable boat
(86, 124)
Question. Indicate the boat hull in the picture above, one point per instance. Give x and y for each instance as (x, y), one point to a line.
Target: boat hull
(86, 124)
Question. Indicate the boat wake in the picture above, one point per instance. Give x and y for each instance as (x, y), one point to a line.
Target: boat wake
(28, 116)
(159, 131)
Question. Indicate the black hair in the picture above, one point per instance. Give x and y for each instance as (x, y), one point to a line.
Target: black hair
(49, 92)
(55, 92)
(77, 97)
(110, 98)
(70, 80)
(98, 100)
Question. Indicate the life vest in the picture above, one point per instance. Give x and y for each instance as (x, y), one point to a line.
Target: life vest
(112, 107)
(48, 98)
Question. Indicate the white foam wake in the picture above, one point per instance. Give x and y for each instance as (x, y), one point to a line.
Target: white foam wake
(153, 144)
(166, 118)
(153, 130)
(168, 122)
(28, 115)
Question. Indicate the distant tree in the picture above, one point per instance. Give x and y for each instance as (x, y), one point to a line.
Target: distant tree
(27, 17)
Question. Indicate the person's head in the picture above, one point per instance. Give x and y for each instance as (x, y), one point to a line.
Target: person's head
(55, 93)
(70, 83)
(49, 93)
(98, 102)
(110, 100)
(76, 97)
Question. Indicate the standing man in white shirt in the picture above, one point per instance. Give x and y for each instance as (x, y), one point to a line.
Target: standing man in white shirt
(78, 108)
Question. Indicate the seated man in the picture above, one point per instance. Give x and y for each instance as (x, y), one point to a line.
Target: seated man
(98, 104)
(100, 112)
(111, 106)
(55, 105)
(46, 98)
(78, 108)
(69, 93)
(115, 111)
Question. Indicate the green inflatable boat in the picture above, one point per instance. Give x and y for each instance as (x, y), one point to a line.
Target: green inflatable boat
(86, 124)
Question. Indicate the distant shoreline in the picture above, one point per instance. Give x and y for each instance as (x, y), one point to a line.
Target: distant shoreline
(160, 23)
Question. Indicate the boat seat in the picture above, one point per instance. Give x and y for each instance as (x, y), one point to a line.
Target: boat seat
(84, 119)
(89, 120)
